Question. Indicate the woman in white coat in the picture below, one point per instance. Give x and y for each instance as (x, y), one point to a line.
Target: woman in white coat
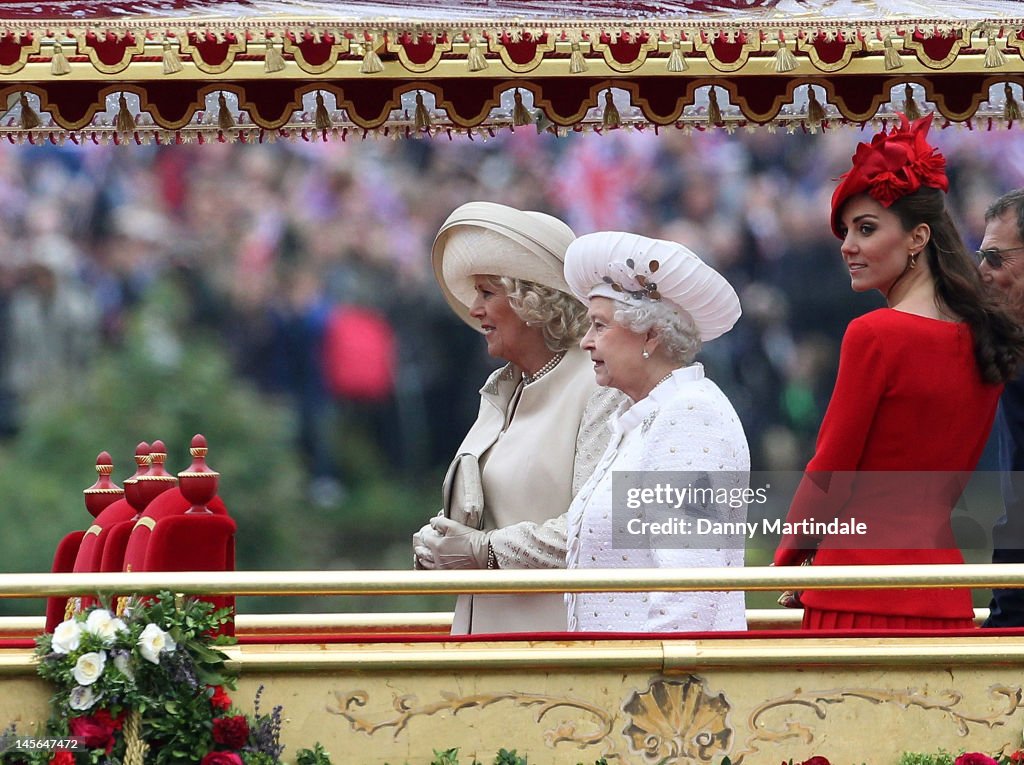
(651, 305)
(542, 423)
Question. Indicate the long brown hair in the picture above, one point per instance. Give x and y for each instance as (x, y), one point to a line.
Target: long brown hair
(998, 338)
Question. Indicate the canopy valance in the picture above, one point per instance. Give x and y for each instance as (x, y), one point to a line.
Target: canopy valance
(179, 68)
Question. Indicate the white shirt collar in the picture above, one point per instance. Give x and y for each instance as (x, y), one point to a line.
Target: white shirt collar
(632, 415)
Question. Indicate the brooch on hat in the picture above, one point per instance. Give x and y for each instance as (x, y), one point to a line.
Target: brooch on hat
(648, 288)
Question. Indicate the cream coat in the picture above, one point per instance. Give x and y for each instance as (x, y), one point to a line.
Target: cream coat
(531, 465)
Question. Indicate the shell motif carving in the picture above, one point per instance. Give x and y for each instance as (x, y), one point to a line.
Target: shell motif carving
(678, 720)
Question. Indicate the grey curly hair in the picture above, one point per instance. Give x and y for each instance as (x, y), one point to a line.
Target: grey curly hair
(676, 330)
(561, 317)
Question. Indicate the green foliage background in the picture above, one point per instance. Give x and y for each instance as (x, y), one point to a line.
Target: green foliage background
(169, 381)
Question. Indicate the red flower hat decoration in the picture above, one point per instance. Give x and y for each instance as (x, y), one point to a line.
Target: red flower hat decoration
(893, 165)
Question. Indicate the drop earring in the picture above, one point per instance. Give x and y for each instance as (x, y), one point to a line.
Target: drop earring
(645, 354)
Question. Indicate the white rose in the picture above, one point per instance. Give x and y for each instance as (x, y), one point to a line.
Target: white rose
(104, 625)
(89, 667)
(152, 641)
(124, 665)
(66, 636)
(82, 698)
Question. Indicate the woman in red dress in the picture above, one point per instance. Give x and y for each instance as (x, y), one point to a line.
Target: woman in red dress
(916, 392)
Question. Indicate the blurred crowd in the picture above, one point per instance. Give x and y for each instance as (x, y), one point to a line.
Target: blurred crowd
(269, 242)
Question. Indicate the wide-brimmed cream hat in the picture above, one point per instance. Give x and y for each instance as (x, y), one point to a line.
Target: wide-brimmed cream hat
(494, 239)
(634, 269)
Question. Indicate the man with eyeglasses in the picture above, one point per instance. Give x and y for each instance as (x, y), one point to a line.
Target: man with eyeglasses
(1001, 261)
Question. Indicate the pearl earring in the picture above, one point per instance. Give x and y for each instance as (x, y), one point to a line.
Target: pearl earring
(645, 354)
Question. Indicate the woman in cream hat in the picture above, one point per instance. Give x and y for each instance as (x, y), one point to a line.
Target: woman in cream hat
(541, 425)
(651, 305)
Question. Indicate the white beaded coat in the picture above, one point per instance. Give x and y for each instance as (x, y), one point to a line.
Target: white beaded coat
(685, 424)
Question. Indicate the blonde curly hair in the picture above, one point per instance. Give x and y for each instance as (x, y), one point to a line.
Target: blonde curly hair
(561, 317)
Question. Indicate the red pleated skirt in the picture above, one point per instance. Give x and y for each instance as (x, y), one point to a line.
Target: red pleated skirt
(819, 619)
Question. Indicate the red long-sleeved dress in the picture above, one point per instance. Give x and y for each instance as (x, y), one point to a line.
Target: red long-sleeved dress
(906, 425)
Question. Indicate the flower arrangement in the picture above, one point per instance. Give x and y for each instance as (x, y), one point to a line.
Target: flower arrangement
(149, 685)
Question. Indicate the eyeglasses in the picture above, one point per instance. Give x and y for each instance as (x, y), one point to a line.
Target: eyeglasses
(994, 256)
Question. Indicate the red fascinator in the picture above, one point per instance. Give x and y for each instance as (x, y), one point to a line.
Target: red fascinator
(891, 166)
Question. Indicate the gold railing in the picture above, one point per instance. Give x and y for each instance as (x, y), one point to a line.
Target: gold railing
(684, 654)
(293, 583)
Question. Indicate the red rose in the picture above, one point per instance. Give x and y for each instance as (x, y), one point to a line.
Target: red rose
(62, 757)
(816, 760)
(1017, 756)
(104, 717)
(222, 758)
(220, 699)
(232, 732)
(96, 731)
(974, 758)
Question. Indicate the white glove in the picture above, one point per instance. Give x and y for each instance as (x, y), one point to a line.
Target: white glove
(447, 544)
(422, 557)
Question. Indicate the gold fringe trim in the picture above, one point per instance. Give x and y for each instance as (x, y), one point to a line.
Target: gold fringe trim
(29, 118)
(577, 63)
(421, 119)
(676, 60)
(371, 61)
(475, 59)
(815, 111)
(520, 114)
(784, 61)
(171, 59)
(910, 107)
(1011, 111)
(714, 112)
(273, 59)
(993, 56)
(893, 59)
(224, 119)
(59, 63)
(321, 118)
(610, 119)
(125, 122)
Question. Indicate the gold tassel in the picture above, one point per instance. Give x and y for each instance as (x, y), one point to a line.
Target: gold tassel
(322, 119)
(577, 63)
(520, 114)
(543, 123)
(422, 116)
(371, 61)
(125, 122)
(1011, 111)
(785, 61)
(224, 119)
(714, 113)
(476, 60)
(893, 59)
(135, 748)
(610, 119)
(815, 111)
(29, 119)
(59, 62)
(172, 62)
(993, 56)
(910, 107)
(676, 60)
(273, 58)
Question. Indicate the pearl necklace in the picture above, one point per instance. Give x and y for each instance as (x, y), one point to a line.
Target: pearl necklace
(663, 379)
(552, 363)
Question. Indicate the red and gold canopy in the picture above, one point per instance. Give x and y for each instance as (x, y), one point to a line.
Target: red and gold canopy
(250, 66)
